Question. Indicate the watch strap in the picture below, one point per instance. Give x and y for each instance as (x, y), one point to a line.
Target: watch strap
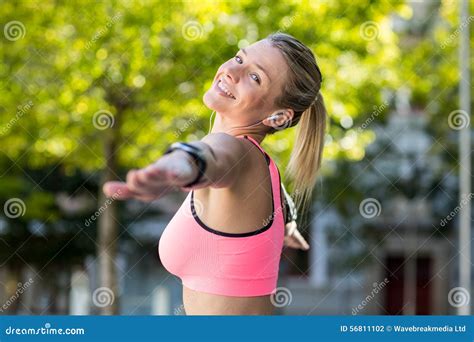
(197, 155)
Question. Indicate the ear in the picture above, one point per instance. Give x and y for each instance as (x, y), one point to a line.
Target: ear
(279, 119)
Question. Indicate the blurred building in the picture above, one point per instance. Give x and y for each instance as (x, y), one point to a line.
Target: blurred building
(410, 264)
(401, 260)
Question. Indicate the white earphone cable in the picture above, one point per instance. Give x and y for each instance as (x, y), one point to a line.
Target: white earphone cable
(210, 122)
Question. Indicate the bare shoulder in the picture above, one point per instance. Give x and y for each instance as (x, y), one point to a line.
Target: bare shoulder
(228, 144)
(234, 156)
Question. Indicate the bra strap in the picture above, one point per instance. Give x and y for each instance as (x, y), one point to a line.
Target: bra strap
(267, 157)
(274, 172)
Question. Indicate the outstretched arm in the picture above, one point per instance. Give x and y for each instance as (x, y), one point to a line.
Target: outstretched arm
(224, 155)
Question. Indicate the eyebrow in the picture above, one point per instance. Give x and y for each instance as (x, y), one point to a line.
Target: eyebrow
(258, 65)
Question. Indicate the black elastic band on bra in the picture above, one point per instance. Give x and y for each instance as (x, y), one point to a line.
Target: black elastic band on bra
(218, 232)
(255, 232)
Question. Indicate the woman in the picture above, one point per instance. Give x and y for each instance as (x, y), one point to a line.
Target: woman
(226, 239)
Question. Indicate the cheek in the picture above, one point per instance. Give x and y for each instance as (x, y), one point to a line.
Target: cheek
(255, 97)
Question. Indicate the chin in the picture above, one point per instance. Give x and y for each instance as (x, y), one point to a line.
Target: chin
(213, 102)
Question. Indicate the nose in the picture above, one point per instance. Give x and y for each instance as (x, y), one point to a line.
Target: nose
(231, 75)
(229, 78)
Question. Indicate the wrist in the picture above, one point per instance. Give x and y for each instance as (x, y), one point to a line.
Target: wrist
(197, 160)
(191, 162)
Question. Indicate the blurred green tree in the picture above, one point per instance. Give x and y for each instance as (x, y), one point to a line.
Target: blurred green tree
(111, 84)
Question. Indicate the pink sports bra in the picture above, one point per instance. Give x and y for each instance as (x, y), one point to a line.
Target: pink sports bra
(229, 264)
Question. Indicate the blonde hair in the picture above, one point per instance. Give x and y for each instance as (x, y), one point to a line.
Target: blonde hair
(301, 92)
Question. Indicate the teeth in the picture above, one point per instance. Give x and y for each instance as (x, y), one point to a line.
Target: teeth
(224, 89)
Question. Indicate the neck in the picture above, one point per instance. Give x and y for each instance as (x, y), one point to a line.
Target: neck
(225, 125)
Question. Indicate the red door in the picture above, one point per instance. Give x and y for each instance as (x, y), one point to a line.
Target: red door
(394, 291)
(423, 285)
(395, 294)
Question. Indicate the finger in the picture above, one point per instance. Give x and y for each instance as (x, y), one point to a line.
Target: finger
(134, 183)
(149, 181)
(174, 174)
(118, 190)
(162, 177)
(291, 243)
(153, 172)
(301, 241)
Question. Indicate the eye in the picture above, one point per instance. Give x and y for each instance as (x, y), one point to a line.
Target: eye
(255, 78)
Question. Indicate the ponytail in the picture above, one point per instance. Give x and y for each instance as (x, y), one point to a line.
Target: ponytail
(305, 159)
(301, 93)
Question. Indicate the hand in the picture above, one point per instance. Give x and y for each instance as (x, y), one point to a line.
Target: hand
(293, 237)
(171, 171)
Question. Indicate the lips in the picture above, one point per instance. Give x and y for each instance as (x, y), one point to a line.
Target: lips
(223, 89)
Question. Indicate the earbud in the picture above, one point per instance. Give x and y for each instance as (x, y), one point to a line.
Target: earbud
(274, 116)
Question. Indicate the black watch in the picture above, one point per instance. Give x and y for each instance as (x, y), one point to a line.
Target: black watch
(198, 156)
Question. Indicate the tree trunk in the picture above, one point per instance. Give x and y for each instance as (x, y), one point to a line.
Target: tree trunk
(12, 303)
(107, 298)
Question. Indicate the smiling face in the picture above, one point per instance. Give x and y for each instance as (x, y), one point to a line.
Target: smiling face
(246, 86)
